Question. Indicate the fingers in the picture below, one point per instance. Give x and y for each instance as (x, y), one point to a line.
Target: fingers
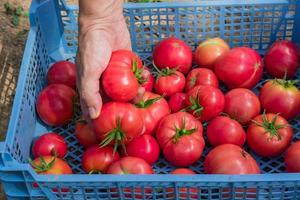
(139, 96)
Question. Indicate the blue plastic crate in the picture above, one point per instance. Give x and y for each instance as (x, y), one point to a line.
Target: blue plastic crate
(53, 36)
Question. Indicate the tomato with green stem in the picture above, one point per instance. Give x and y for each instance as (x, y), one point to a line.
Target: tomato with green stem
(50, 165)
(201, 76)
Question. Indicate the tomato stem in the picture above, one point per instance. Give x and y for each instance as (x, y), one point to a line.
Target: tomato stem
(44, 166)
(182, 131)
(195, 106)
(147, 103)
(138, 72)
(165, 71)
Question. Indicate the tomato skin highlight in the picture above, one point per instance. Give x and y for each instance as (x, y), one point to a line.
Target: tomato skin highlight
(50, 144)
(223, 130)
(275, 97)
(173, 53)
(282, 57)
(265, 143)
(242, 105)
(201, 76)
(54, 104)
(127, 57)
(240, 67)
(291, 158)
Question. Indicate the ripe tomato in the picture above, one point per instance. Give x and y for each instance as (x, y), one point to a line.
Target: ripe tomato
(201, 76)
(269, 135)
(55, 104)
(149, 82)
(205, 102)
(242, 105)
(126, 57)
(152, 108)
(280, 96)
(145, 147)
(130, 165)
(291, 158)
(50, 165)
(282, 58)
(173, 53)
(177, 102)
(118, 123)
(119, 83)
(85, 135)
(240, 67)
(230, 159)
(180, 136)
(169, 82)
(97, 160)
(209, 51)
(50, 144)
(62, 72)
(184, 193)
(223, 130)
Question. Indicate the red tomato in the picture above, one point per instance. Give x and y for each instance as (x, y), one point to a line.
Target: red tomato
(177, 102)
(173, 53)
(209, 51)
(50, 165)
(145, 147)
(62, 72)
(281, 58)
(242, 105)
(148, 84)
(85, 135)
(152, 108)
(127, 57)
(291, 158)
(130, 165)
(118, 123)
(180, 136)
(201, 76)
(269, 135)
(97, 160)
(223, 130)
(205, 102)
(55, 104)
(119, 83)
(280, 96)
(240, 67)
(183, 191)
(169, 82)
(50, 144)
(230, 159)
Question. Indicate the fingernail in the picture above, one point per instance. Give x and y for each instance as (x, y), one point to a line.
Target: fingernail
(93, 113)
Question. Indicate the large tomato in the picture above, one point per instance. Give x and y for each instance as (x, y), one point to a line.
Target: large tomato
(177, 102)
(130, 165)
(55, 104)
(145, 147)
(280, 96)
(62, 72)
(291, 158)
(169, 82)
(209, 51)
(242, 105)
(119, 83)
(269, 135)
(282, 58)
(50, 165)
(126, 57)
(230, 159)
(201, 76)
(205, 102)
(97, 160)
(85, 135)
(180, 136)
(152, 108)
(223, 130)
(173, 53)
(50, 144)
(240, 67)
(118, 123)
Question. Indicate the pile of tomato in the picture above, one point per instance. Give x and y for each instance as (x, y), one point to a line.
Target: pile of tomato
(163, 111)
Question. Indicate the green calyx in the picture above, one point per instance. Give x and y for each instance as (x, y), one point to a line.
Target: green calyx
(165, 71)
(94, 171)
(138, 72)
(147, 103)
(182, 131)
(286, 83)
(44, 166)
(270, 126)
(117, 135)
(195, 106)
